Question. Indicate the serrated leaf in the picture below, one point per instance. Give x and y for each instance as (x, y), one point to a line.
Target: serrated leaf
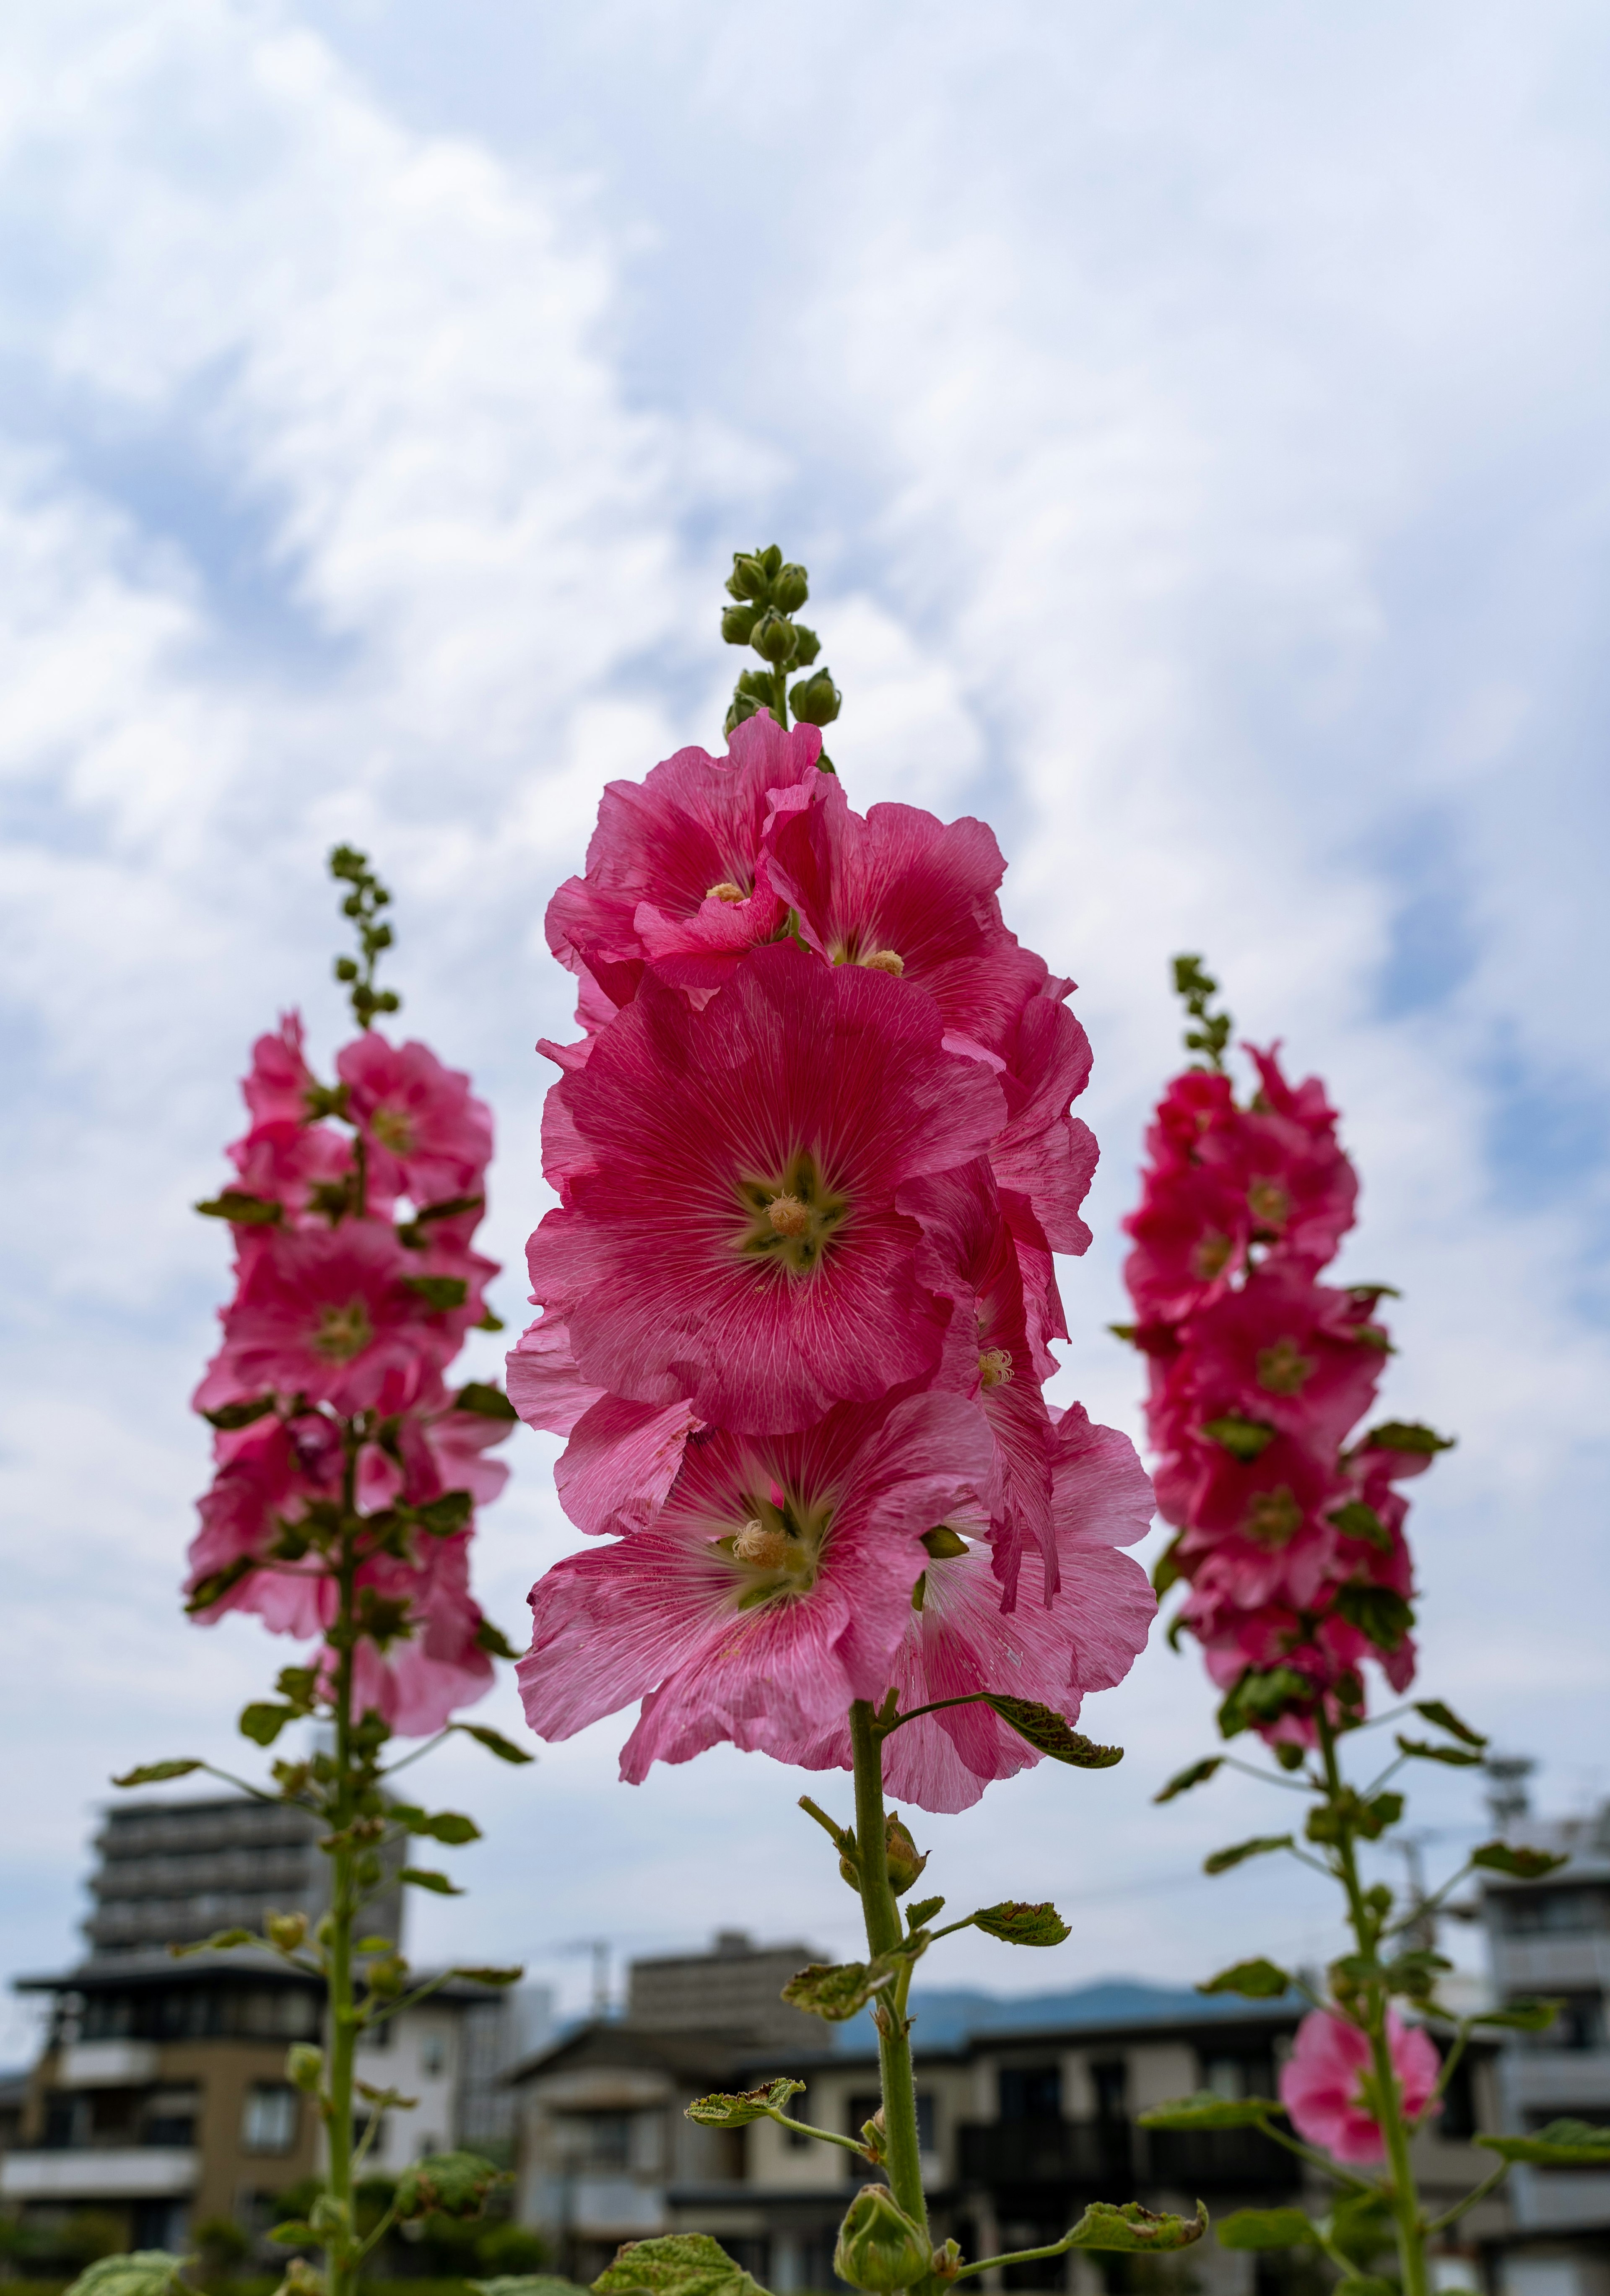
(1255, 1980)
(1050, 1732)
(836, 1990)
(1197, 1774)
(1246, 1440)
(1458, 1758)
(676, 2264)
(1522, 1865)
(491, 1976)
(1432, 1710)
(1260, 1846)
(1265, 2228)
(494, 1742)
(1207, 2110)
(157, 1774)
(447, 2184)
(1130, 2227)
(423, 1878)
(1562, 2144)
(1520, 2016)
(922, 1911)
(737, 2110)
(262, 1722)
(489, 1402)
(1021, 1924)
(245, 1211)
(1406, 1435)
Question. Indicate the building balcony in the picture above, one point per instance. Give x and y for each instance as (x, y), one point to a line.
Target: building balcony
(111, 2172)
(1576, 2081)
(107, 2064)
(1241, 2160)
(1006, 2152)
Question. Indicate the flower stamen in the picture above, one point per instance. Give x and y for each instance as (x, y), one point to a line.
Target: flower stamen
(995, 1367)
(725, 892)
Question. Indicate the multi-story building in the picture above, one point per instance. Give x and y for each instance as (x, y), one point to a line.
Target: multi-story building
(161, 2098)
(1027, 2111)
(1552, 1938)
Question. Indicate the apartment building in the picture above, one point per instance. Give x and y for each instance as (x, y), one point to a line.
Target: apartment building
(1027, 2112)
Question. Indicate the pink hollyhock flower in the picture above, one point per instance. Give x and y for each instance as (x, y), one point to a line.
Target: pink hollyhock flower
(1041, 1153)
(1322, 2082)
(268, 1474)
(621, 1459)
(734, 1237)
(305, 1167)
(913, 896)
(348, 1318)
(423, 1657)
(772, 1588)
(427, 1136)
(277, 1086)
(675, 871)
(1053, 1648)
(1288, 1353)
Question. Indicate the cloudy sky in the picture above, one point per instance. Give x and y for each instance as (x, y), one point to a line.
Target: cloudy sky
(1196, 424)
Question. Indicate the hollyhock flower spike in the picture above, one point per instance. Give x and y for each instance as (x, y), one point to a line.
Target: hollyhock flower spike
(347, 1476)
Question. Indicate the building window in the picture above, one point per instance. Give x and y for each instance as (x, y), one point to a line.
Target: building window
(1531, 1912)
(797, 2109)
(1579, 2024)
(1031, 2092)
(1233, 2077)
(432, 2053)
(268, 2124)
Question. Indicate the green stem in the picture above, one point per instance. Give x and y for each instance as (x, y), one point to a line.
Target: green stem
(341, 2262)
(781, 703)
(1404, 2199)
(901, 2153)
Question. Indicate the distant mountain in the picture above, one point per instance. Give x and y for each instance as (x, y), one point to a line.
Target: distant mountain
(944, 2017)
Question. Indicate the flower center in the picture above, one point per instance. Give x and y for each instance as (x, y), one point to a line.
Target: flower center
(1283, 1369)
(1273, 1518)
(343, 1332)
(777, 1550)
(1211, 1256)
(794, 1214)
(995, 1367)
(393, 1127)
(1270, 1202)
(883, 960)
(725, 892)
(856, 949)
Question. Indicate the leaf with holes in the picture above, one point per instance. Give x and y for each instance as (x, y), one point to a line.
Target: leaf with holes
(676, 2264)
(1020, 1924)
(447, 2184)
(1050, 1732)
(737, 2110)
(1132, 2228)
(836, 1990)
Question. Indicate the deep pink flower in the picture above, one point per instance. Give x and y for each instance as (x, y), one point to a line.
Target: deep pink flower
(346, 1317)
(277, 1084)
(428, 1137)
(621, 1459)
(676, 868)
(1322, 2083)
(730, 1235)
(290, 1163)
(1084, 1638)
(1283, 1352)
(423, 1657)
(772, 1588)
(1042, 1152)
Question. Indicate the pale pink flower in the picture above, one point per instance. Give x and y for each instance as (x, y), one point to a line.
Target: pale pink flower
(730, 1235)
(1322, 2083)
(427, 1136)
(675, 871)
(772, 1588)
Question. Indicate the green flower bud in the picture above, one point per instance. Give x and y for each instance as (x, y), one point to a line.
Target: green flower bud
(790, 588)
(748, 576)
(759, 685)
(901, 1855)
(807, 645)
(879, 2247)
(771, 559)
(737, 622)
(286, 1930)
(774, 638)
(741, 706)
(305, 2067)
(816, 701)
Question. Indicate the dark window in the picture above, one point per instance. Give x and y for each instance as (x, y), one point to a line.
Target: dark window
(1456, 2121)
(1109, 2082)
(1031, 2093)
(1529, 1913)
(798, 2108)
(66, 2120)
(1579, 2024)
(1234, 2074)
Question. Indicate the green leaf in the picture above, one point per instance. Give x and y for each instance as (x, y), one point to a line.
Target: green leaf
(1347, 1812)
(1262, 1696)
(446, 2185)
(1260, 1844)
(441, 1825)
(422, 1878)
(1522, 1864)
(1406, 1435)
(448, 1514)
(723, 2111)
(1048, 1732)
(228, 1416)
(1246, 1440)
(1377, 1612)
(1520, 2016)
(1255, 1980)
(1432, 1710)
(1266, 2229)
(490, 1323)
(1562, 2145)
(1197, 1775)
(479, 1976)
(220, 1941)
(494, 1742)
(157, 1774)
(526, 2283)
(262, 1723)
(1415, 1973)
(1361, 2225)
(676, 2264)
(1166, 1569)
(439, 1294)
(836, 1990)
(922, 1911)
(1357, 1520)
(293, 2233)
(246, 1211)
(1131, 2227)
(494, 1641)
(1020, 1924)
(489, 1402)
(449, 1208)
(1458, 1758)
(147, 2272)
(1365, 2285)
(1206, 2110)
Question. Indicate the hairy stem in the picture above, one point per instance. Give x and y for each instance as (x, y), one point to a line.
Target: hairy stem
(340, 2260)
(883, 1918)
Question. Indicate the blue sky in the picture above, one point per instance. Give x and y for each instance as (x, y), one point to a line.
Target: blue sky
(1196, 424)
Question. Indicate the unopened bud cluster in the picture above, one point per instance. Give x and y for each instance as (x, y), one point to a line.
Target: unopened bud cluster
(768, 591)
